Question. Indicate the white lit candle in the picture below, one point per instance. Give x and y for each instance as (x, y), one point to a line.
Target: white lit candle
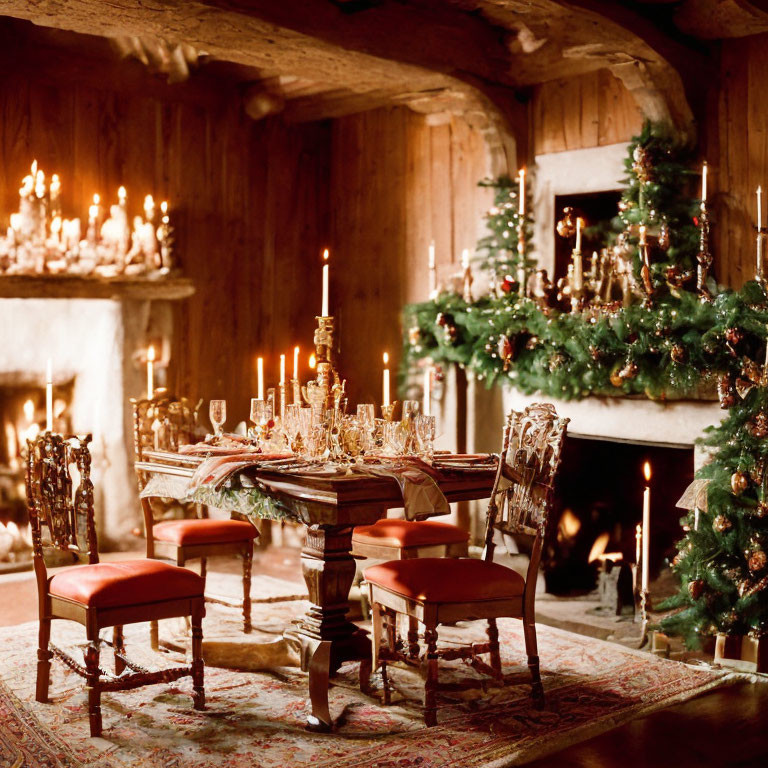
(521, 207)
(149, 208)
(465, 258)
(150, 372)
(427, 387)
(646, 525)
(282, 369)
(121, 196)
(704, 182)
(759, 208)
(578, 233)
(260, 378)
(295, 363)
(385, 380)
(49, 396)
(325, 284)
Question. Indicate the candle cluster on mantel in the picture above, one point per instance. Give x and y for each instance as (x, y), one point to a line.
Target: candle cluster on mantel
(39, 241)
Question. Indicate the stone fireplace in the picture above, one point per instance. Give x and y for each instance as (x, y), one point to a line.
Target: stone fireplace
(96, 347)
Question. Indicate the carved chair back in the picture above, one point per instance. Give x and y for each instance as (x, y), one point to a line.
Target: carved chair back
(60, 502)
(162, 423)
(524, 487)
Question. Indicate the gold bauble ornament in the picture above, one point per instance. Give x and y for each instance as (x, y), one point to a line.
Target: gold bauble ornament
(721, 524)
(739, 483)
(757, 561)
(695, 588)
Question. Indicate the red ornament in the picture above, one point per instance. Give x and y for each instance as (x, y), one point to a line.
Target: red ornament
(507, 285)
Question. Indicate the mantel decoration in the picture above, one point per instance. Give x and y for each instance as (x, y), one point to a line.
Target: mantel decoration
(39, 241)
(646, 318)
(643, 317)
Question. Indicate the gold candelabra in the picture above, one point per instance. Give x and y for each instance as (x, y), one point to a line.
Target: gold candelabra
(704, 256)
(326, 390)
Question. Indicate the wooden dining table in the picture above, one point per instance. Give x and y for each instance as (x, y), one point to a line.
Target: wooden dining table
(330, 507)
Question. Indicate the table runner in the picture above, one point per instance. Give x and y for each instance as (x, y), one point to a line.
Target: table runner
(230, 482)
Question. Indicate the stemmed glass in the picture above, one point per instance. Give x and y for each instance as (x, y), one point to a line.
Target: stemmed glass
(366, 418)
(217, 412)
(259, 416)
(425, 436)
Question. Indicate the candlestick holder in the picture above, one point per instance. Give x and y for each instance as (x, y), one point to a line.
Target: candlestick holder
(322, 393)
(704, 256)
(283, 389)
(577, 294)
(388, 411)
(468, 279)
(522, 275)
(760, 272)
(643, 617)
(296, 385)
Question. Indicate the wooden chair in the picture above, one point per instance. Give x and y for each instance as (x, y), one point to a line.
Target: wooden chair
(164, 423)
(98, 595)
(437, 590)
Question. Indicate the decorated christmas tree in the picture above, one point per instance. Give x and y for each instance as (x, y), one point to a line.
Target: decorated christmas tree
(499, 254)
(658, 198)
(722, 562)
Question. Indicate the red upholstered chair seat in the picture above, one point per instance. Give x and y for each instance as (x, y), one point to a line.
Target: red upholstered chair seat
(129, 582)
(408, 533)
(183, 532)
(445, 580)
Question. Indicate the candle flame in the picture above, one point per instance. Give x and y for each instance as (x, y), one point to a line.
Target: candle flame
(164, 206)
(151, 353)
(96, 199)
(121, 193)
(296, 350)
(29, 410)
(647, 471)
(325, 254)
(312, 361)
(386, 358)
(639, 530)
(521, 173)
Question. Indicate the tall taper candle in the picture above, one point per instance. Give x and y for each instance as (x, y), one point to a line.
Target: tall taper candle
(324, 313)
(150, 372)
(282, 369)
(385, 380)
(521, 206)
(296, 363)
(646, 525)
(260, 378)
(704, 182)
(48, 396)
(427, 391)
(578, 233)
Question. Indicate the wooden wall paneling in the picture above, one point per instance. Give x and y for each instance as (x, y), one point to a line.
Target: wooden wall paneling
(442, 202)
(588, 110)
(733, 221)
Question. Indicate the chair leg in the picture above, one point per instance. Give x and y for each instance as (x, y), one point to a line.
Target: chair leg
(430, 684)
(92, 683)
(493, 640)
(413, 637)
(247, 568)
(198, 668)
(203, 568)
(389, 618)
(531, 648)
(43, 660)
(118, 645)
(154, 636)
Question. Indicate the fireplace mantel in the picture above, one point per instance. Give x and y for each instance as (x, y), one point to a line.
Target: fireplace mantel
(677, 423)
(78, 287)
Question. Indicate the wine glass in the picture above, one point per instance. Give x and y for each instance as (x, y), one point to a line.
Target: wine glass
(217, 412)
(410, 409)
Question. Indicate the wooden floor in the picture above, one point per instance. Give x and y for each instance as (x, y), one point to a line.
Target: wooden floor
(725, 728)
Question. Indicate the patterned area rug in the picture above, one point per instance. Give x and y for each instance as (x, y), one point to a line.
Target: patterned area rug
(256, 719)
